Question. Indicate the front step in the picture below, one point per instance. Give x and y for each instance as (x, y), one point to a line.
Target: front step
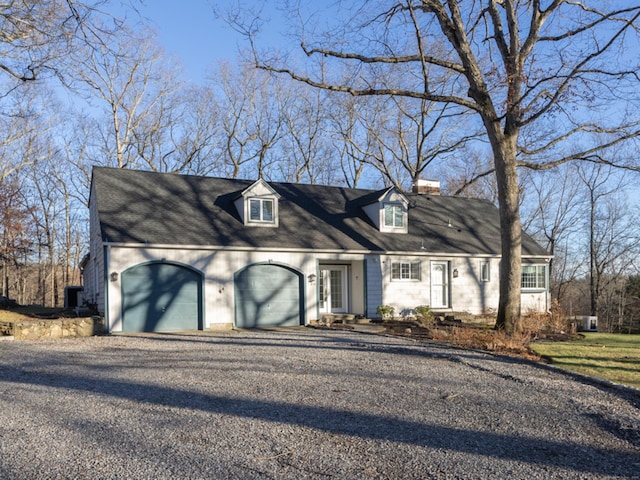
(344, 318)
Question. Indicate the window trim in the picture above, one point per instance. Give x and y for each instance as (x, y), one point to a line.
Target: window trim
(262, 201)
(483, 277)
(536, 276)
(413, 272)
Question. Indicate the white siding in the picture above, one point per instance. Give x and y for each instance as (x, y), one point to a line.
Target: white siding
(374, 284)
(93, 276)
(467, 292)
(405, 295)
(535, 302)
(219, 267)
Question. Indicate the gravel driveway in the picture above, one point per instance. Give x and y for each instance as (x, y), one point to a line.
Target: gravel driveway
(300, 403)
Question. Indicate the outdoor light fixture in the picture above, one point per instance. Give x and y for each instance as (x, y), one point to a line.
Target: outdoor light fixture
(312, 278)
(455, 273)
(114, 276)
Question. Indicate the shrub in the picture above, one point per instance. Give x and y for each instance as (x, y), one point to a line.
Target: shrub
(553, 322)
(385, 311)
(424, 315)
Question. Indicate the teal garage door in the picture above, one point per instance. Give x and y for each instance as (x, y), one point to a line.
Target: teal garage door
(268, 295)
(161, 297)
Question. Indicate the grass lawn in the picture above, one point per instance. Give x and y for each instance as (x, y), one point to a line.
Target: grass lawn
(614, 357)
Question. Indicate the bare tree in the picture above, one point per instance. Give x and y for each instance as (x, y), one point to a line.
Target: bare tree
(15, 235)
(523, 68)
(136, 88)
(470, 176)
(350, 142)
(22, 120)
(613, 235)
(552, 213)
(47, 212)
(197, 140)
(39, 36)
(251, 117)
(307, 152)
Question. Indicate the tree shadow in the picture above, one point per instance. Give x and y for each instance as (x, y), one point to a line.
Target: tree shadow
(511, 447)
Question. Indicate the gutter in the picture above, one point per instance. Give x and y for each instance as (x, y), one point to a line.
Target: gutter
(418, 253)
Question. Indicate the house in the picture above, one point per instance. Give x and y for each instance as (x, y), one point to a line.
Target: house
(175, 252)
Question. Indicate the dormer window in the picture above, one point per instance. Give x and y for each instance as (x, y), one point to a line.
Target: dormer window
(261, 210)
(394, 215)
(258, 205)
(388, 210)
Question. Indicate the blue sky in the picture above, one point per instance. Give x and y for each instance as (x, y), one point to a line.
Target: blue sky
(190, 31)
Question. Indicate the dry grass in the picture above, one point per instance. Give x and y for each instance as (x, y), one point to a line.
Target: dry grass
(535, 326)
(11, 316)
(27, 313)
(485, 339)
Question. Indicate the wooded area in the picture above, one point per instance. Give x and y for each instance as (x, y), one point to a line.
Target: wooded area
(530, 104)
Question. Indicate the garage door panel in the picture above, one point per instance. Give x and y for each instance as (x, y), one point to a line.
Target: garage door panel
(267, 295)
(161, 297)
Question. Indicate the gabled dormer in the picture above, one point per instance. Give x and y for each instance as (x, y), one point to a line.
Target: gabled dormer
(389, 211)
(258, 205)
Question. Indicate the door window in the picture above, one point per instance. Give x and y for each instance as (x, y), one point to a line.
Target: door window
(332, 285)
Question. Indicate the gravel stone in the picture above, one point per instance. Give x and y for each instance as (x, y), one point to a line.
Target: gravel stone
(301, 404)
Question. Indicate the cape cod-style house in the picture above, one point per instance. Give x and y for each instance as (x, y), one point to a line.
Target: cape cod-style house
(177, 252)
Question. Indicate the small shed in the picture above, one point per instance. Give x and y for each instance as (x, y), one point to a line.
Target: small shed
(587, 323)
(73, 296)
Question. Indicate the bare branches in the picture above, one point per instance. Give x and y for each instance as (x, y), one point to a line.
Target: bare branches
(384, 60)
(40, 35)
(358, 92)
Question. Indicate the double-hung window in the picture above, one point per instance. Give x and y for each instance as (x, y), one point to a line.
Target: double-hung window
(393, 215)
(405, 270)
(534, 277)
(261, 210)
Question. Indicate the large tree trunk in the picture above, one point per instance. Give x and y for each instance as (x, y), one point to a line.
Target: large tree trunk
(504, 150)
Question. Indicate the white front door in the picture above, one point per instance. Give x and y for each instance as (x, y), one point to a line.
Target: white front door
(439, 285)
(332, 285)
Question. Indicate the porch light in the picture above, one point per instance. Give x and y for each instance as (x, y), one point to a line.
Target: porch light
(312, 278)
(114, 276)
(455, 273)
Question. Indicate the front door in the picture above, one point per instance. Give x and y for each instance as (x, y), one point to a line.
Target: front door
(439, 285)
(332, 287)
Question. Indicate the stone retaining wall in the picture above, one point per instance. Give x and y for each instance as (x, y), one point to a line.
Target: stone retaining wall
(59, 328)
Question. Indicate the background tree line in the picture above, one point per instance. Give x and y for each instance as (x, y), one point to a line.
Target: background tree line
(80, 87)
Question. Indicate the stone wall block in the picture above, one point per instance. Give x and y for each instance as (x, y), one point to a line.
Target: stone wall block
(54, 329)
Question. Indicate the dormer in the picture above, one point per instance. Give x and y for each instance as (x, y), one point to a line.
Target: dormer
(258, 205)
(389, 211)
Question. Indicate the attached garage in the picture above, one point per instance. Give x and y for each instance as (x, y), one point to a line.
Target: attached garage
(161, 297)
(268, 295)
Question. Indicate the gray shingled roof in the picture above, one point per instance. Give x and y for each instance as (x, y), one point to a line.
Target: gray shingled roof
(162, 208)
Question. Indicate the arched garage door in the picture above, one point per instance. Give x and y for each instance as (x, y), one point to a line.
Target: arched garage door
(268, 295)
(160, 297)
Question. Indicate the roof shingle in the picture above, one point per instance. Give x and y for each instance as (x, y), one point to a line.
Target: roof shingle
(171, 209)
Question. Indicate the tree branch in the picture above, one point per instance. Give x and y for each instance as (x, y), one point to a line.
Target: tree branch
(356, 92)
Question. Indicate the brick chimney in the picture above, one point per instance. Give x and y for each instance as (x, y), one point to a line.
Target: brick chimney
(426, 187)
